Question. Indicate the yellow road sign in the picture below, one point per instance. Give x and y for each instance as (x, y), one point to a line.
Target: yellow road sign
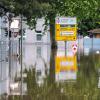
(65, 29)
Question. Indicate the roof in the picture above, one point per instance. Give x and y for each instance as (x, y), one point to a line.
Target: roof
(95, 30)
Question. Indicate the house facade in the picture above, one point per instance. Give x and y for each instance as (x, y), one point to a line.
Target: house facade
(95, 33)
(38, 35)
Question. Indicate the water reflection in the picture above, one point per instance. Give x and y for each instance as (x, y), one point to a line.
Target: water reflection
(39, 61)
(65, 63)
(61, 75)
(17, 85)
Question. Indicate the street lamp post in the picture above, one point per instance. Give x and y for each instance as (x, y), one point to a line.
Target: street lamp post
(21, 54)
(9, 17)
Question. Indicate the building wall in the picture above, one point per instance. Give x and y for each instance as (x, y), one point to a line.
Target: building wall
(2, 28)
(30, 36)
(4, 69)
(38, 35)
(97, 35)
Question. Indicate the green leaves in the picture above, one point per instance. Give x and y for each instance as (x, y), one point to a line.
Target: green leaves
(80, 8)
(33, 9)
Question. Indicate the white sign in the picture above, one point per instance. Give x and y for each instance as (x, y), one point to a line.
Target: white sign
(66, 20)
(67, 33)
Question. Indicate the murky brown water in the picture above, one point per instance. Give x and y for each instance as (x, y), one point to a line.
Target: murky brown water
(62, 76)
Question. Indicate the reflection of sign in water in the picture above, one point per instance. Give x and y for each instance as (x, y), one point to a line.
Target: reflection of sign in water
(74, 48)
(66, 63)
(65, 28)
(65, 68)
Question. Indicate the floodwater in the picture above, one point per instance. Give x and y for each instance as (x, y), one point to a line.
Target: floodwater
(62, 74)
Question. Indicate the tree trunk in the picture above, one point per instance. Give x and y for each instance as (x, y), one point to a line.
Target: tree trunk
(52, 33)
(52, 66)
(53, 50)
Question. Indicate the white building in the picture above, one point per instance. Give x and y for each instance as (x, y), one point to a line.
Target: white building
(31, 54)
(3, 26)
(3, 64)
(37, 50)
(38, 35)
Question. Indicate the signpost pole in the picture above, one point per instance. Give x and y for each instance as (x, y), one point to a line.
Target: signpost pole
(65, 48)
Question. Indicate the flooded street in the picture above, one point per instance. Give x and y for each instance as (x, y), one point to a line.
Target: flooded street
(60, 74)
(49, 49)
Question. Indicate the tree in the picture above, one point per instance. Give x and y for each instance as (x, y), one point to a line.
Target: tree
(84, 10)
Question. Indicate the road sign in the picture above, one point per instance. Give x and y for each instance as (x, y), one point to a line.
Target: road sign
(65, 28)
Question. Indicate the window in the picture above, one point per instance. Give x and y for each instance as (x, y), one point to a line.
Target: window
(38, 51)
(39, 37)
(38, 73)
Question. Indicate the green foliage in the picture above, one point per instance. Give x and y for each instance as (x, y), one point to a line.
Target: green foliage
(87, 24)
(84, 10)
